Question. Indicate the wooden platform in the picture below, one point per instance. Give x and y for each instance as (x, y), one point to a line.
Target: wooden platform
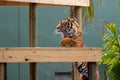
(46, 2)
(50, 55)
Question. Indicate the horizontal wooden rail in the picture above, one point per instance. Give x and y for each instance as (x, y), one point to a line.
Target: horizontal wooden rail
(46, 2)
(50, 55)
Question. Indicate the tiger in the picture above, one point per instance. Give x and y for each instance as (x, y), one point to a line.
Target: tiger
(72, 37)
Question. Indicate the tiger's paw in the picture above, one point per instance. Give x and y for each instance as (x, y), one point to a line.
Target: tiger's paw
(68, 42)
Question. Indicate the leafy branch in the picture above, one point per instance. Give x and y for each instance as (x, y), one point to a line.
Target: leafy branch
(111, 50)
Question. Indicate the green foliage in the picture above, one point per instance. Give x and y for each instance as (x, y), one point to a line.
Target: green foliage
(118, 3)
(88, 13)
(116, 72)
(111, 51)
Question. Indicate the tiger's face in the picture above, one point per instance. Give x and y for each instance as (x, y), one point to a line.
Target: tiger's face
(68, 28)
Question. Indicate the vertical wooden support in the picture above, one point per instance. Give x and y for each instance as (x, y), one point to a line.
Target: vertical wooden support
(78, 15)
(76, 12)
(92, 71)
(33, 38)
(72, 15)
(33, 25)
(3, 71)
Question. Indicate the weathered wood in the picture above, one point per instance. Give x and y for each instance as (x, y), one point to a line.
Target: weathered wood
(92, 71)
(3, 70)
(33, 37)
(47, 2)
(50, 55)
(78, 14)
(33, 71)
(33, 33)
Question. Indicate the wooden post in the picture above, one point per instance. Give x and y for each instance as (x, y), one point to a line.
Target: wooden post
(33, 25)
(92, 71)
(76, 12)
(33, 37)
(78, 15)
(3, 71)
(91, 65)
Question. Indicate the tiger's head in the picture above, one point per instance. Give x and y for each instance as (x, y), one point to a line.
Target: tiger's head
(68, 28)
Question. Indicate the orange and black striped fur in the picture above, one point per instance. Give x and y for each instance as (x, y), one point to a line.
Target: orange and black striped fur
(72, 37)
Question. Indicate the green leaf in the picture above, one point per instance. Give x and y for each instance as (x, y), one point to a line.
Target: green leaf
(91, 12)
(116, 72)
(107, 36)
(112, 28)
(109, 44)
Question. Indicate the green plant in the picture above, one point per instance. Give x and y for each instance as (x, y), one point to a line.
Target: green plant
(111, 51)
(88, 13)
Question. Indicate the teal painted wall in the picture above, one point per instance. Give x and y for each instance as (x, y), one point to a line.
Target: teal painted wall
(14, 33)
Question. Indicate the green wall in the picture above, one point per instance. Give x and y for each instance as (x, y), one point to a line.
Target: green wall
(14, 24)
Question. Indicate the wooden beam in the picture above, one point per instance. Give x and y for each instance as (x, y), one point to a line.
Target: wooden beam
(7, 3)
(50, 55)
(47, 2)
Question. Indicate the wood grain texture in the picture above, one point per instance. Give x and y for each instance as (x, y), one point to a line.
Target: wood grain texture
(3, 71)
(33, 37)
(47, 2)
(50, 55)
(92, 71)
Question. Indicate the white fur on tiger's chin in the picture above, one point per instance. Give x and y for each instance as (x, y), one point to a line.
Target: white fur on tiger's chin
(58, 32)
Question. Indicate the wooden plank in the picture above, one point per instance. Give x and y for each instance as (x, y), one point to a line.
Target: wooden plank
(47, 2)
(5, 3)
(50, 55)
